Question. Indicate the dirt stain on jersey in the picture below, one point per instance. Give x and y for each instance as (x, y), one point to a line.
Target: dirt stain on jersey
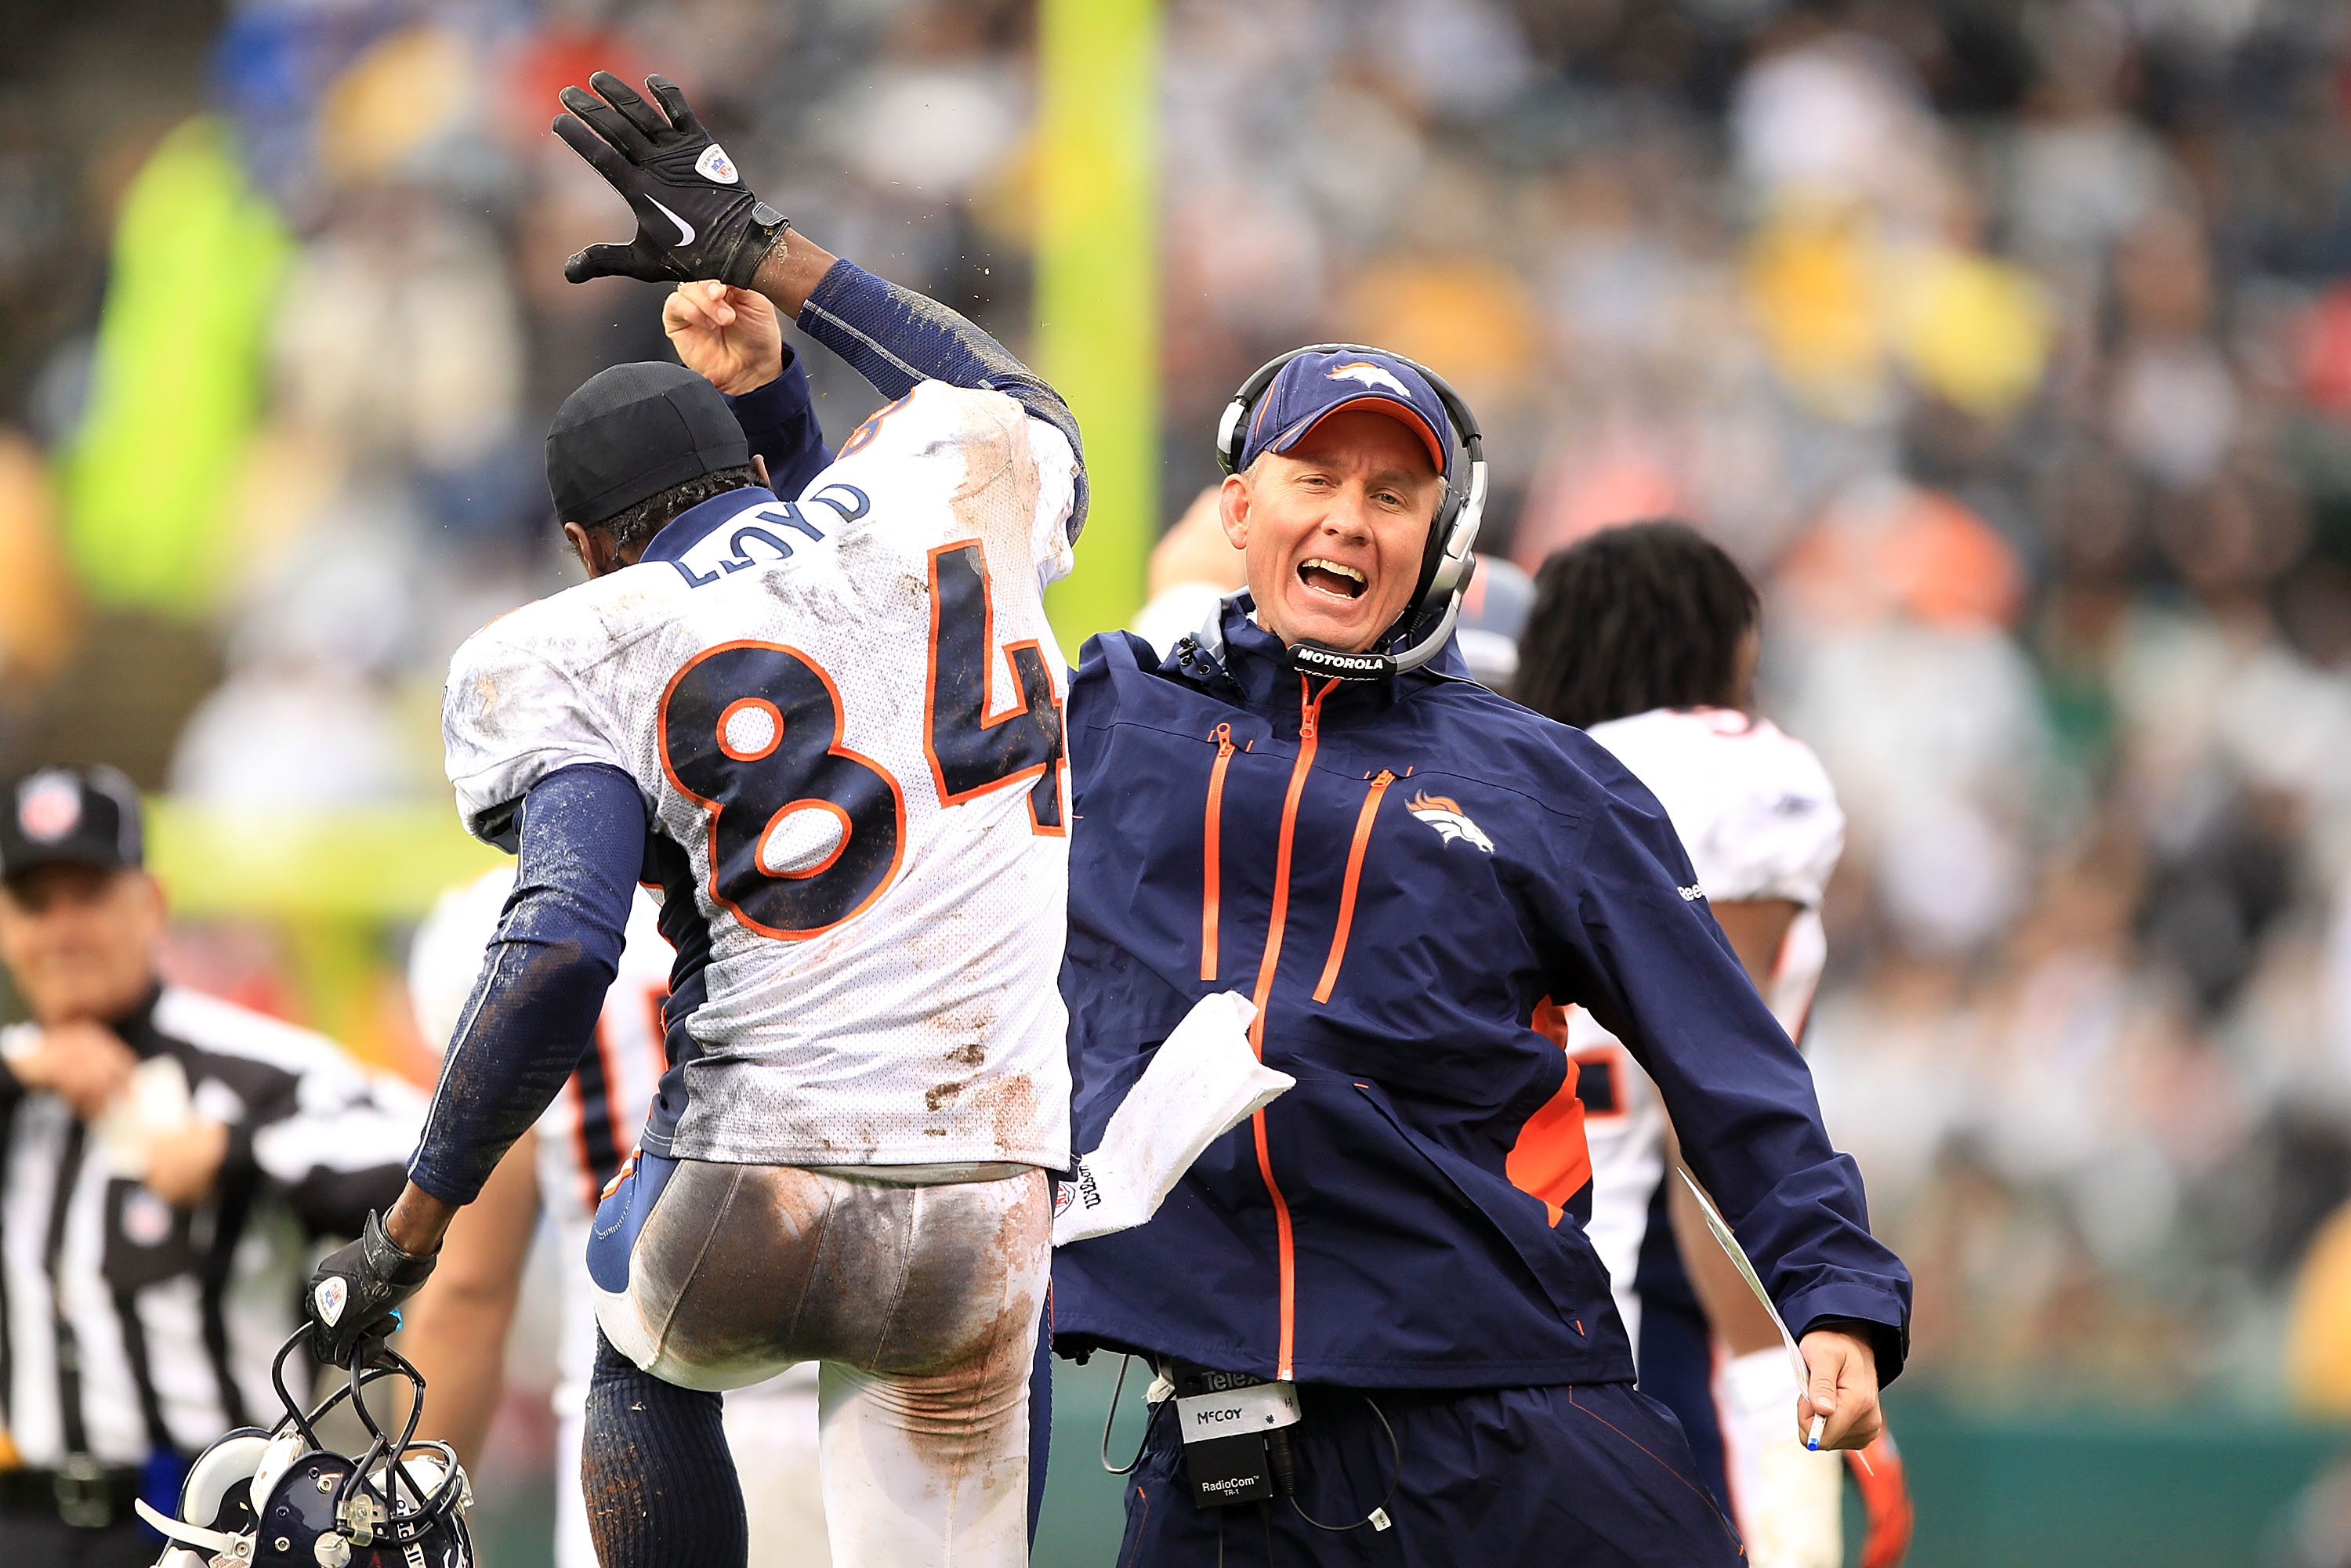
(997, 499)
(1010, 1105)
(628, 617)
(942, 941)
(940, 1094)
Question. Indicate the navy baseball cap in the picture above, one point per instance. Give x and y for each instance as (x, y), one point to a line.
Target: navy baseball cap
(634, 431)
(1312, 387)
(71, 815)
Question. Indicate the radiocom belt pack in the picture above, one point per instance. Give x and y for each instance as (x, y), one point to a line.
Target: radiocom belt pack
(1229, 1420)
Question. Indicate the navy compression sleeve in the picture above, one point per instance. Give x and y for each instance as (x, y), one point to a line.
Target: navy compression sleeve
(780, 421)
(896, 337)
(533, 1011)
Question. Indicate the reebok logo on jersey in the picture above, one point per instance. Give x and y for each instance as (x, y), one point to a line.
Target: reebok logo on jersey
(715, 166)
(1691, 893)
(684, 229)
(1447, 817)
(333, 1294)
(1371, 375)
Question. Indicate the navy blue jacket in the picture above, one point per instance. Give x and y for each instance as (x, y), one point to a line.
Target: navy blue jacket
(1401, 872)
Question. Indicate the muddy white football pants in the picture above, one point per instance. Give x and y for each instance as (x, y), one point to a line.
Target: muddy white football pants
(919, 1297)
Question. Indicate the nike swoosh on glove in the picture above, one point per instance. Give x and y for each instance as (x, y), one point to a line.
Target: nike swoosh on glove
(694, 219)
(352, 1295)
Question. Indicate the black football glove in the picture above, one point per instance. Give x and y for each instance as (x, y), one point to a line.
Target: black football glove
(694, 219)
(353, 1293)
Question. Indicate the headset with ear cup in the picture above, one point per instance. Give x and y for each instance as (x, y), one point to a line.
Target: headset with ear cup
(1448, 562)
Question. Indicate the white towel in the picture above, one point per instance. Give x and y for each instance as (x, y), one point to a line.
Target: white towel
(155, 1102)
(1203, 1082)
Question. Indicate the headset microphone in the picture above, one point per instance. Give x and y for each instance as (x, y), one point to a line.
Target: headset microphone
(1447, 564)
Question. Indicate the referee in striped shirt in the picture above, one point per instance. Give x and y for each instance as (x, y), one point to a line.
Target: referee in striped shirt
(168, 1163)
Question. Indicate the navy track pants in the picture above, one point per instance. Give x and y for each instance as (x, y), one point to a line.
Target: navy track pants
(1594, 1474)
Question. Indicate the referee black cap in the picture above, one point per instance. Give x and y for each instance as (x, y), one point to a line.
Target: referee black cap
(70, 816)
(634, 431)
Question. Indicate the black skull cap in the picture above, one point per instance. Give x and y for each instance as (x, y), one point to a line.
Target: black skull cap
(634, 431)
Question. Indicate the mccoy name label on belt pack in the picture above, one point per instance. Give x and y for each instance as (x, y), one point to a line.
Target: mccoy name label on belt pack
(1251, 1407)
(1224, 1418)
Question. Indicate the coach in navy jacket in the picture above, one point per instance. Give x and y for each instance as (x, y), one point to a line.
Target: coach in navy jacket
(1405, 873)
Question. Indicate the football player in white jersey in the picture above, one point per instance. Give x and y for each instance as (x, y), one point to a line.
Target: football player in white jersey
(1647, 637)
(457, 1328)
(828, 730)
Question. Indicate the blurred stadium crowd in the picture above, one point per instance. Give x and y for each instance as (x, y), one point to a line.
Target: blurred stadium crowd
(2008, 343)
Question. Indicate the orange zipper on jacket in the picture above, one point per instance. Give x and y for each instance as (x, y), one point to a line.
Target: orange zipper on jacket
(1211, 841)
(1355, 874)
(1310, 709)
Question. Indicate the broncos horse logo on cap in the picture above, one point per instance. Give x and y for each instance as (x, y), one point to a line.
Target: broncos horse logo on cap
(1370, 374)
(1449, 819)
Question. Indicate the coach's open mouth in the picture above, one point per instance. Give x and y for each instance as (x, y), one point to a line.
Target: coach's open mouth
(1329, 577)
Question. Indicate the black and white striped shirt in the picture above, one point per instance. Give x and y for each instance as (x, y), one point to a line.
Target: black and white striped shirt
(127, 1327)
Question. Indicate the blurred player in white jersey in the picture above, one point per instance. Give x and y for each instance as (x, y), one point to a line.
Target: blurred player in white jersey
(827, 726)
(455, 1330)
(1647, 637)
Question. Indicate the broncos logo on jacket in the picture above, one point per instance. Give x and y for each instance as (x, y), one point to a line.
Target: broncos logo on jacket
(1447, 817)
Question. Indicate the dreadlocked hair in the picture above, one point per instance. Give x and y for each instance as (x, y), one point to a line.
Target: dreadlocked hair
(639, 523)
(1644, 616)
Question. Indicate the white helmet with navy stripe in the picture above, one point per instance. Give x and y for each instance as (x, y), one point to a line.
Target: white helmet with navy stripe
(280, 1499)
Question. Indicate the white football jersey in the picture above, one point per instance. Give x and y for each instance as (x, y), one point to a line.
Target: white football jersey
(845, 716)
(1760, 820)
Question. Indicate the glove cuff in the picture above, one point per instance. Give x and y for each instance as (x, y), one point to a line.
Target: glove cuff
(761, 235)
(400, 1269)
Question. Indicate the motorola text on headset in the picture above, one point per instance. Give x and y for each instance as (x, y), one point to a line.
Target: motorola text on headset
(1447, 564)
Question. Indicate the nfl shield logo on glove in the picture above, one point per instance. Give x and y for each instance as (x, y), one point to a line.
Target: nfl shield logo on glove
(331, 1295)
(715, 166)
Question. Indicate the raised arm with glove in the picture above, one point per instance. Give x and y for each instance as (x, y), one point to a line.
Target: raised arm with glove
(694, 219)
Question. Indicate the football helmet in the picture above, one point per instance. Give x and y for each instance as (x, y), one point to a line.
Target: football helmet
(280, 1499)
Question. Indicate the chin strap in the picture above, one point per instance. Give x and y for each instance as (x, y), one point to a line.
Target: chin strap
(228, 1550)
